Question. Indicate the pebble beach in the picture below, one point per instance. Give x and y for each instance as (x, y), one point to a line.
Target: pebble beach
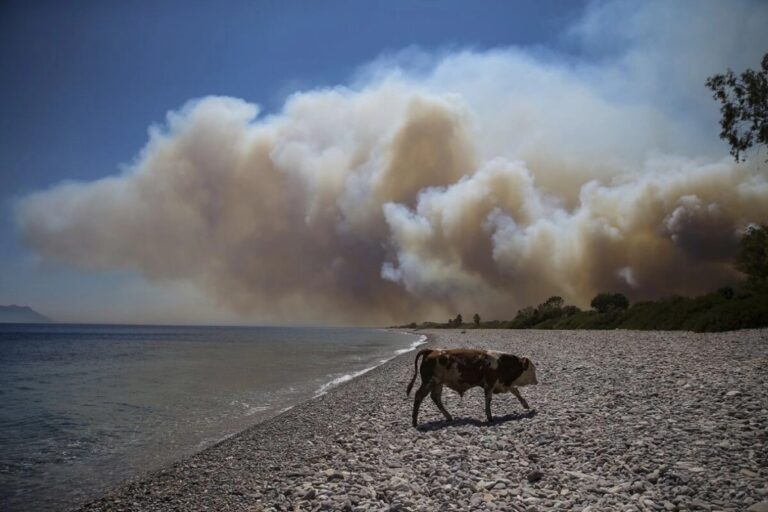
(621, 420)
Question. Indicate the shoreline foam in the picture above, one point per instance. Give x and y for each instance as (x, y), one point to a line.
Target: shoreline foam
(353, 375)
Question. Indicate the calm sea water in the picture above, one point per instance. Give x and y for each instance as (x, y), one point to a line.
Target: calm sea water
(83, 407)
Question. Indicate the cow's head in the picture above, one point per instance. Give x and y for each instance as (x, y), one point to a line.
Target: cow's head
(529, 373)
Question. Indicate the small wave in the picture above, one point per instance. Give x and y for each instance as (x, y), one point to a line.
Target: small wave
(249, 410)
(253, 410)
(422, 340)
(349, 376)
(212, 440)
(338, 380)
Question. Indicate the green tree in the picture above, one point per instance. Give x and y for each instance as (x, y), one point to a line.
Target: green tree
(551, 308)
(752, 258)
(554, 302)
(525, 318)
(458, 321)
(744, 108)
(726, 292)
(605, 302)
(476, 318)
(525, 314)
(571, 310)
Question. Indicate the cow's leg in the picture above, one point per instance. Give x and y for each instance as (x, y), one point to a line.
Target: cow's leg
(421, 393)
(437, 394)
(516, 392)
(488, 396)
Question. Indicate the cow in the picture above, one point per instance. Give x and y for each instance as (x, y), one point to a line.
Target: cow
(462, 369)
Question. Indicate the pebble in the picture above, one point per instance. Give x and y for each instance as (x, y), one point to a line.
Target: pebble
(535, 476)
(622, 420)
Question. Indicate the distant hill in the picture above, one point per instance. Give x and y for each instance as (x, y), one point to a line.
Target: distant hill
(21, 315)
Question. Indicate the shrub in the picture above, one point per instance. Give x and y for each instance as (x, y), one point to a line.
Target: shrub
(605, 302)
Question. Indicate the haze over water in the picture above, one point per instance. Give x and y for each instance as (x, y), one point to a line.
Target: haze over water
(86, 406)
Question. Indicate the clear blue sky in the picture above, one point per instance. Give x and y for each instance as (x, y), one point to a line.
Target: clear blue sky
(82, 83)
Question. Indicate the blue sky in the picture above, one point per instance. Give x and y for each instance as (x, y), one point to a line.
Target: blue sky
(84, 82)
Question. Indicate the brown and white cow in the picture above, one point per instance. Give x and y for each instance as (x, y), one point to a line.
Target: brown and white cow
(462, 369)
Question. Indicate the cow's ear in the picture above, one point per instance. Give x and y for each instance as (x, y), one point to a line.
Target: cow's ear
(526, 363)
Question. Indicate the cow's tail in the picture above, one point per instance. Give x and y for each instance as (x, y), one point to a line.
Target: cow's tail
(416, 368)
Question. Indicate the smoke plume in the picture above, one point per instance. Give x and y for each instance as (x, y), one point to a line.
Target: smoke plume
(483, 181)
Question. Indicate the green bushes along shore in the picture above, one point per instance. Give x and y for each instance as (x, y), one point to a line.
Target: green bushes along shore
(742, 306)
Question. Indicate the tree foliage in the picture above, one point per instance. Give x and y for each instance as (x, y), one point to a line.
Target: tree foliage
(752, 258)
(554, 302)
(744, 108)
(740, 306)
(605, 302)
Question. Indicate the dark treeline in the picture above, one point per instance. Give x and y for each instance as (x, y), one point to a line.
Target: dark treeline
(741, 306)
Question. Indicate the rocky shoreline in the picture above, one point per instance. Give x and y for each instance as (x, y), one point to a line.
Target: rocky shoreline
(622, 420)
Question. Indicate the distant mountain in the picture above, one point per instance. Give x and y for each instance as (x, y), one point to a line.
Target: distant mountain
(21, 315)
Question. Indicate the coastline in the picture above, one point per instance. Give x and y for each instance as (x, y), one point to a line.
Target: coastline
(423, 339)
(273, 429)
(646, 420)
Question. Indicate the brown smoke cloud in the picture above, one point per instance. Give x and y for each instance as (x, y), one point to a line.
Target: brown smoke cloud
(490, 183)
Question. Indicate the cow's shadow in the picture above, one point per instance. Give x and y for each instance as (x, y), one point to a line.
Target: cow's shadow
(475, 422)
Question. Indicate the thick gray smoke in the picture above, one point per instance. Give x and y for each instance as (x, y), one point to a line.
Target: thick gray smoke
(486, 183)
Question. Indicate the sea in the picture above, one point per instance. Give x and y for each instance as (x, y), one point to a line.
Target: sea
(85, 407)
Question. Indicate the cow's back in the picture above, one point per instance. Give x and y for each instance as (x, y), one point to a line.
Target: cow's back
(461, 369)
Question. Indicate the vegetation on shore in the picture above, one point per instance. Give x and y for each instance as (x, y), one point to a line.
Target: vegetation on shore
(742, 306)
